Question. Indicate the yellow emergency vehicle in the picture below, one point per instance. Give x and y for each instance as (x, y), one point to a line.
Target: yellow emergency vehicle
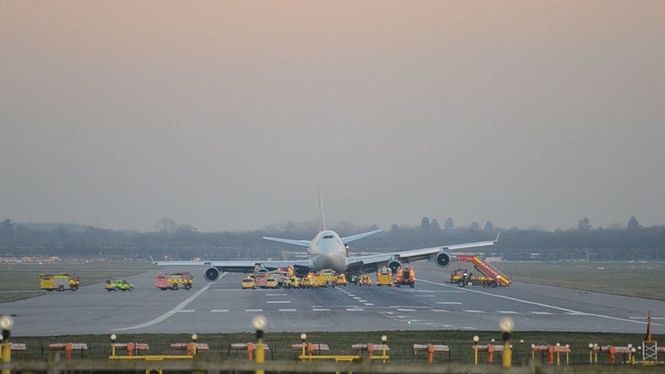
(247, 282)
(384, 277)
(59, 282)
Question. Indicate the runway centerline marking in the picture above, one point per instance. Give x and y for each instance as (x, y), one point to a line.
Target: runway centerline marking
(275, 294)
(355, 309)
(173, 311)
(571, 311)
(320, 310)
(219, 310)
(187, 311)
(253, 310)
(278, 302)
(473, 311)
(506, 312)
(449, 302)
(287, 310)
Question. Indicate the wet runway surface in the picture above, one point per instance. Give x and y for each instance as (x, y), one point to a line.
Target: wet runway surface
(223, 307)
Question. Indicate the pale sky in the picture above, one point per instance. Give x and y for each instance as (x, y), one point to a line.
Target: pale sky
(227, 114)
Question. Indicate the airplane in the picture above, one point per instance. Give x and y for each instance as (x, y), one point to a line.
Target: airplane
(328, 250)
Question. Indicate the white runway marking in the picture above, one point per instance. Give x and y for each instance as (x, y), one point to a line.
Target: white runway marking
(473, 311)
(405, 310)
(275, 294)
(644, 318)
(278, 302)
(424, 295)
(439, 310)
(173, 311)
(320, 310)
(355, 309)
(253, 310)
(506, 312)
(449, 302)
(287, 310)
(542, 313)
(219, 310)
(368, 304)
(187, 311)
(547, 305)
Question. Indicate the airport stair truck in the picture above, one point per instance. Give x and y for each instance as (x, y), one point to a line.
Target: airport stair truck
(495, 277)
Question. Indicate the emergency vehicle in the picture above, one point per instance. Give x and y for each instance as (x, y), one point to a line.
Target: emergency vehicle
(59, 282)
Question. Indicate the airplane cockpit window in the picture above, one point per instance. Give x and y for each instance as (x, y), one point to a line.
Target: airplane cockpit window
(328, 236)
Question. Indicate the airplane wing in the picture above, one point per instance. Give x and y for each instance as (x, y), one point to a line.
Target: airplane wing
(374, 262)
(300, 243)
(349, 239)
(239, 266)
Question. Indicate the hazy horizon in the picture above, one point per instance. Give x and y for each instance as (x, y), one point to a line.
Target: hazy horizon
(226, 115)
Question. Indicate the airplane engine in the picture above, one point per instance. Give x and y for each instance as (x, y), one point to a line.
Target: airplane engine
(211, 274)
(394, 265)
(442, 259)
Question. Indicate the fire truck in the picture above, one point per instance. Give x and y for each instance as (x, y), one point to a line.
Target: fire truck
(384, 277)
(173, 281)
(59, 282)
(405, 276)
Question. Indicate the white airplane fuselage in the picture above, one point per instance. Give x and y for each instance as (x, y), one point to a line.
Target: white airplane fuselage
(328, 252)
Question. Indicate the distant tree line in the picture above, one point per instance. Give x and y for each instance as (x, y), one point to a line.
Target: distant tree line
(182, 241)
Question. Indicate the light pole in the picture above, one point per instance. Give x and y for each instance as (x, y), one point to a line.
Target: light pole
(260, 324)
(506, 326)
(6, 324)
(113, 339)
(303, 339)
(476, 339)
(384, 344)
(193, 347)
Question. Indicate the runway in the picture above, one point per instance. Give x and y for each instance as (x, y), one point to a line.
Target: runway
(432, 305)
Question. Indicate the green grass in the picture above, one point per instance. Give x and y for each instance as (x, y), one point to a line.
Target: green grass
(400, 343)
(20, 281)
(631, 279)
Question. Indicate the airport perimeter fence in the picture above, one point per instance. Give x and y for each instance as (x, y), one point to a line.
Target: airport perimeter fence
(461, 352)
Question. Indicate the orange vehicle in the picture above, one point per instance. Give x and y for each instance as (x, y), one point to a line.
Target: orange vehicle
(405, 276)
(173, 281)
(365, 280)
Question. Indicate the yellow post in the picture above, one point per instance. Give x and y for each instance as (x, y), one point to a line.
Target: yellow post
(260, 323)
(260, 355)
(507, 356)
(506, 325)
(6, 353)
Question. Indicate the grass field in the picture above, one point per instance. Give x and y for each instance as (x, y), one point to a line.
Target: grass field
(20, 281)
(632, 279)
(400, 343)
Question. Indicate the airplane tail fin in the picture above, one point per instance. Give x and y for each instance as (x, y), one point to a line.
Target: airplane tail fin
(322, 216)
